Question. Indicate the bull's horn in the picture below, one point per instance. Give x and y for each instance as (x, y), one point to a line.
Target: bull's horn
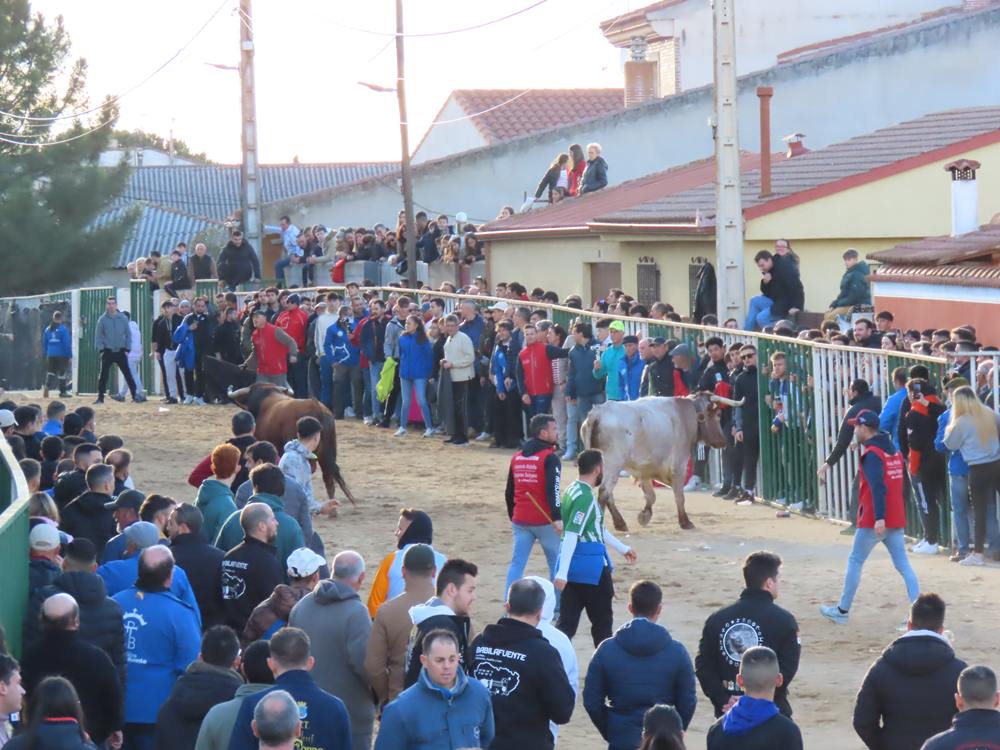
(726, 401)
(288, 390)
(241, 393)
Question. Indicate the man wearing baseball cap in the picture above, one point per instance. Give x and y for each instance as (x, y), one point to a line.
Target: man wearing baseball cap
(606, 366)
(271, 615)
(881, 512)
(43, 561)
(7, 421)
(125, 508)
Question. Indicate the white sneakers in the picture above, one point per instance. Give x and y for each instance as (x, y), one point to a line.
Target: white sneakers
(973, 559)
(923, 547)
(693, 483)
(483, 436)
(368, 420)
(430, 432)
(400, 432)
(349, 412)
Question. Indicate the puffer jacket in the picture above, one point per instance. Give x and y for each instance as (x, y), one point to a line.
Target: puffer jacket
(55, 734)
(640, 666)
(854, 287)
(272, 614)
(196, 691)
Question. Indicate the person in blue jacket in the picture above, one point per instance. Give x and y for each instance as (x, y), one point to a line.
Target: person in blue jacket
(637, 668)
(325, 722)
(443, 710)
(345, 359)
(118, 575)
(630, 368)
(888, 419)
(416, 365)
(184, 338)
(958, 475)
(162, 637)
(506, 405)
(57, 343)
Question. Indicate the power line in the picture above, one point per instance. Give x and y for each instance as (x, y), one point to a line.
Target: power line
(473, 27)
(482, 112)
(44, 144)
(127, 91)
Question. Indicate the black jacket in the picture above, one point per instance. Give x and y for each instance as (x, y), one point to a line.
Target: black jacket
(250, 571)
(527, 684)
(69, 486)
(52, 735)
(195, 692)
(91, 672)
(553, 467)
(975, 729)
(785, 287)
(226, 343)
(237, 265)
(745, 387)
(549, 181)
(658, 378)
(86, 516)
(41, 573)
(918, 429)
(439, 616)
(706, 294)
(201, 266)
(100, 615)
(908, 694)
(203, 564)
(755, 620)
(846, 434)
(595, 176)
(777, 733)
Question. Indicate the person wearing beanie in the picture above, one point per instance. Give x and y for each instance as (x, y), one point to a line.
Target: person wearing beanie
(414, 527)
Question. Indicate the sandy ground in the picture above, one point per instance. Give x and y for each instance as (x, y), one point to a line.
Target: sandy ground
(462, 488)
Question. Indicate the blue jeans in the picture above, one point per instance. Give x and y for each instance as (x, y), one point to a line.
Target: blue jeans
(279, 269)
(758, 313)
(865, 540)
(540, 405)
(374, 375)
(572, 429)
(524, 541)
(960, 503)
(406, 388)
(326, 381)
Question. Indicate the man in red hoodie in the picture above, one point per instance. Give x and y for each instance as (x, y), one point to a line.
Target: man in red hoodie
(534, 371)
(273, 350)
(294, 321)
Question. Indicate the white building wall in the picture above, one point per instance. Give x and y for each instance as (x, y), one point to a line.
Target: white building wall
(149, 158)
(449, 137)
(829, 99)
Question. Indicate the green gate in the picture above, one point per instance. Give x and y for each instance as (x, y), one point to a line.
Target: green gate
(207, 288)
(13, 548)
(142, 313)
(92, 304)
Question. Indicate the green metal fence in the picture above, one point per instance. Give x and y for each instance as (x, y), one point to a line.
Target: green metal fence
(142, 313)
(13, 548)
(92, 305)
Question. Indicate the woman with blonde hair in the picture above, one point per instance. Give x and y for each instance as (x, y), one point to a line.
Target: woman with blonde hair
(974, 430)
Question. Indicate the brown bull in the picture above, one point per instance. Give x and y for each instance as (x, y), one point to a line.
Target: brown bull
(277, 413)
(652, 439)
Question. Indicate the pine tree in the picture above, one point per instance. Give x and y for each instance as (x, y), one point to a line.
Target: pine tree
(51, 194)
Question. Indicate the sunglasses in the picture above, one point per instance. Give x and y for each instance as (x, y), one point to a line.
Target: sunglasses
(747, 356)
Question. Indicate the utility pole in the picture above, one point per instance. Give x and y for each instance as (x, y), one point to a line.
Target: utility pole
(249, 175)
(728, 200)
(404, 144)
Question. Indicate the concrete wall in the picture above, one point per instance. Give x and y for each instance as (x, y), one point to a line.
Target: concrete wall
(830, 99)
(923, 306)
(449, 137)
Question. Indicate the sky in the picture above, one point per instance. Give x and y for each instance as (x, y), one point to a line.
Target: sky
(308, 63)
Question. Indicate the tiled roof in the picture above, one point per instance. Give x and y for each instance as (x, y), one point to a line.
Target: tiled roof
(963, 274)
(536, 110)
(576, 213)
(214, 190)
(938, 251)
(158, 228)
(854, 162)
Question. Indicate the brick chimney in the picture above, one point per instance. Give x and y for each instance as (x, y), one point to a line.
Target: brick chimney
(640, 74)
(964, 196)
(764, 93)
(795, 145)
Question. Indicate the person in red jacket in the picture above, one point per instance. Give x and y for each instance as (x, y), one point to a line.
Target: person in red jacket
(881, 512)
(533, 496)
(534, 371)
(294, 321)
(273, 350)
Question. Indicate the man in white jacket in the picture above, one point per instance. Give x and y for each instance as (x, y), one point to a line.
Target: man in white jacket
(558, 640)
(459, 360)
(134, 358)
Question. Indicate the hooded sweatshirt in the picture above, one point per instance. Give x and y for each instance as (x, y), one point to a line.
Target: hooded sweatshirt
(754, 724)
(636, 669)
(294, 463)
(558, 640)
(250, 572)
(215, 501)
(195, 692)
(527, 684)
(289, 537)
(389, 582)
(87, 517)
(431, 615)
(908, 694)
(220, 719)
(118, 575)
(973, 729)
(338, 626)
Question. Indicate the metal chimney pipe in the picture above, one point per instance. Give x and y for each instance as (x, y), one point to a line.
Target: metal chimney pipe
(764, 93)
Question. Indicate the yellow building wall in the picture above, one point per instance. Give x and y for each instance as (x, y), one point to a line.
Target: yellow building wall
(558, 264)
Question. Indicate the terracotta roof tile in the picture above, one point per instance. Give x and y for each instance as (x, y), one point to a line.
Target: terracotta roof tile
(536, 110)
(965, 274)
(938, 251)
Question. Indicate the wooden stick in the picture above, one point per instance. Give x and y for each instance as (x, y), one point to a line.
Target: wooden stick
(544, 512)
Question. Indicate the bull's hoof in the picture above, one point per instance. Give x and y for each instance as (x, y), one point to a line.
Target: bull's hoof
(620, 525)
(686, 523)
(644, 516)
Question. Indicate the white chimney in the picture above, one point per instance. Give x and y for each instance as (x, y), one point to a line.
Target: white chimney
(964, 196)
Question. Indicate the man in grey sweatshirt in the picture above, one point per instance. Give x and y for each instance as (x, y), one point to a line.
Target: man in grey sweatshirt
(113, 339)
(338, 625)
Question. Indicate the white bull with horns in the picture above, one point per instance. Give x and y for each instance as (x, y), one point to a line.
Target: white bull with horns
(652, 439)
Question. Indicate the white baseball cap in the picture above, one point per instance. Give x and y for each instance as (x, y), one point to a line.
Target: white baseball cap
(303, 562)
(7, 418)
(44, 537)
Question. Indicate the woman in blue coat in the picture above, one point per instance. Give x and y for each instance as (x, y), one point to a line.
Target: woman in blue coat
(58, 346)
(416, 363)
(184, 338)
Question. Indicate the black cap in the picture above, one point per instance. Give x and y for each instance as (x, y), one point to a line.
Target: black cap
(630, 340)
(126, 499)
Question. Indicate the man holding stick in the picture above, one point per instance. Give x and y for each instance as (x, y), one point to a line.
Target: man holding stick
(533, 497)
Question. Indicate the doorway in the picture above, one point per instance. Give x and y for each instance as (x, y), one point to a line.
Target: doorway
(603, 276)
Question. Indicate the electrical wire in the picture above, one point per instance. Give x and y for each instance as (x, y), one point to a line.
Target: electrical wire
(129, 90)
(45, 144)
(473, 27)
(482, 112)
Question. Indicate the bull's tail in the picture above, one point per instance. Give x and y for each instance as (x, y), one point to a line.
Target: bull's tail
(588, 431)
(339, 479)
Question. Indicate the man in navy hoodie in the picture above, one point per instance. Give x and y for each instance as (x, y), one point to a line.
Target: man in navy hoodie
(636, 669)
(977, 724)
(325, 723)
(754, 722)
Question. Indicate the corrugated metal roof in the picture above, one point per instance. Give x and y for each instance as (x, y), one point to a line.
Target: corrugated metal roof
(213, 190)
(854, 158)
(963, 274)
(935, 251)
(157, 229)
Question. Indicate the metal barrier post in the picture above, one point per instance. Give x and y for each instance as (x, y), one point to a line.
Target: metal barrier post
(92, 302)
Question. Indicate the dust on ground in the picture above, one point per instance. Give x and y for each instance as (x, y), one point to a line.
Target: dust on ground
(462, 489)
